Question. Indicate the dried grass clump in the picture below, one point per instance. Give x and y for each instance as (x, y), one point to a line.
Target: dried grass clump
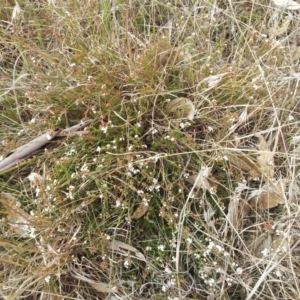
(184, 185)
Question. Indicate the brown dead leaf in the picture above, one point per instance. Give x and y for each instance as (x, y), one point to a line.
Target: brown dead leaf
(20, 221)
(241, 162)
(264, 245)
(20, 225)
(263, 166)
(200, 180)
(140, 211)
(268, 227)
(260, 246)
(237, 208)
(233, 212)
(287, 4)
(213, 80)
(265, 200)
(255, 175)
(282, 241)
(103, 287)
(296, 54)
(269, 196)
(265, 158)
(8, 197)
(280, 30)
(123, 249)
(98, 286)
(245, 208)
(181, 108)
(281, 244)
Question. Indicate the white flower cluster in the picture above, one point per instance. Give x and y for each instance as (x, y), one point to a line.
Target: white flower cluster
(132, 169)
(170, 283)
(212, 246)
(155, 186)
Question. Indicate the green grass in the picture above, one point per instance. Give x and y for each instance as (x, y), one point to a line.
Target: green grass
(131, 178)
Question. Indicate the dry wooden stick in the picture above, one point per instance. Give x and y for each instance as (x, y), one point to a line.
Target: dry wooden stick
(22, 152)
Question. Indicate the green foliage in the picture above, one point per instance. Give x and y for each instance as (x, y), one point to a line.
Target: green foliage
(119, 63)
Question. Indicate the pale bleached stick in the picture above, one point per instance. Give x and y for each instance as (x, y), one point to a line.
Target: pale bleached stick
(29, 148)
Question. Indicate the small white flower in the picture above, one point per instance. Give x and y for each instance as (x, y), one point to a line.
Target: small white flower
(210, 282)
(189, 240)
(229, 281)
(32, 121)
(265, 252)
(191, 195)
(32, 232)
(48, 86)
(37, 191)
(278, 273)
(154, 131)
(104, 129)
(126, 263)
(84, 168)
(209, 128)
(161, 247)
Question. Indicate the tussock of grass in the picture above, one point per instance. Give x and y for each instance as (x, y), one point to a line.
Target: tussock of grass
(134, 177)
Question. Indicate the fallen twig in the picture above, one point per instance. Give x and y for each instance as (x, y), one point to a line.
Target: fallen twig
(24, 151)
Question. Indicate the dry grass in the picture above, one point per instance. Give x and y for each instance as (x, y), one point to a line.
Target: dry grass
(147, 206)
